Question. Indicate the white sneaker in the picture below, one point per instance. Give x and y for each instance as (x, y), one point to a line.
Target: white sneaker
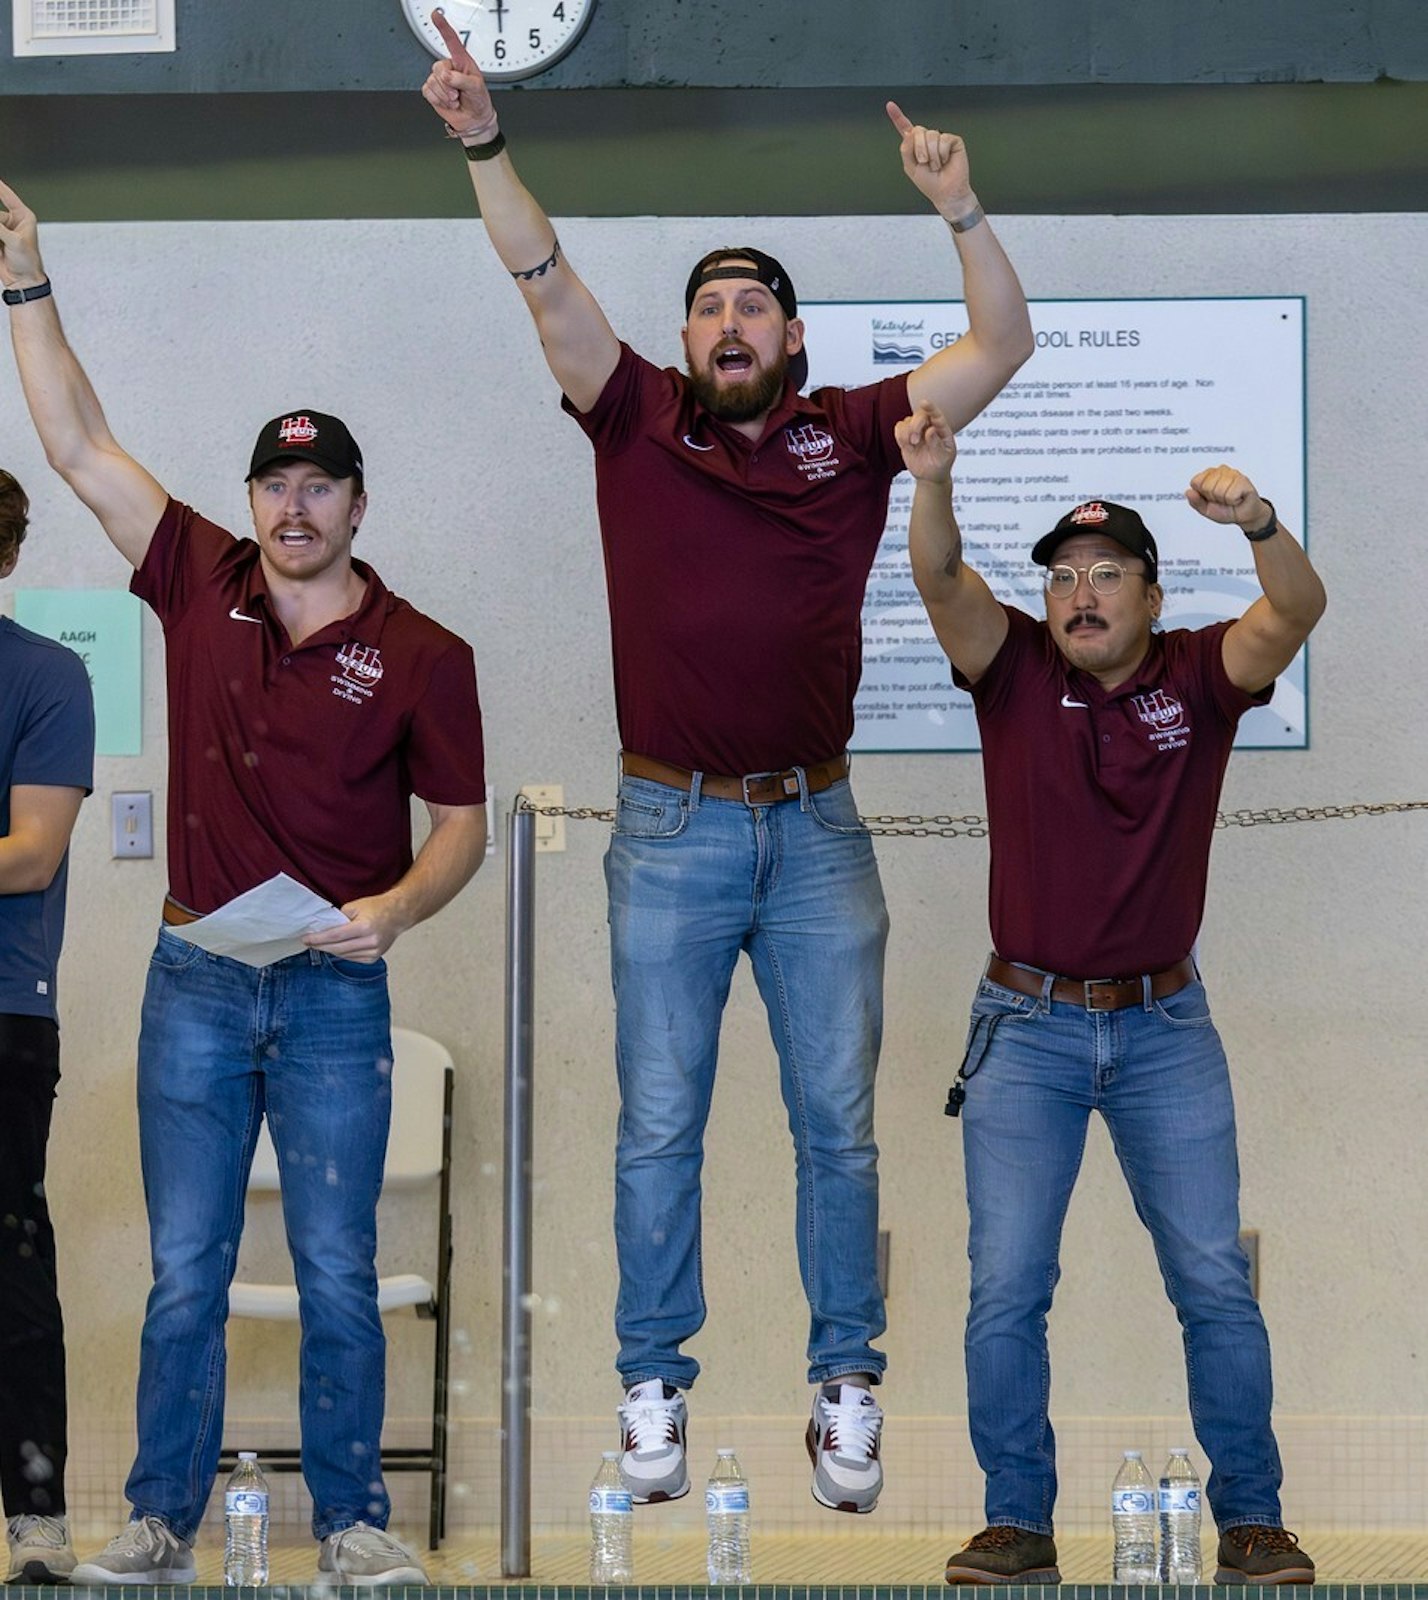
(844, 1444)
(655, 1421)
(39, 1550)
(364, 1555)
(147, 1551)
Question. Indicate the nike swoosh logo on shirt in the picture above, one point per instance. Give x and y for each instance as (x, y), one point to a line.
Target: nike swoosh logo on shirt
(1067, 701)
(690, 442)
(239, 616)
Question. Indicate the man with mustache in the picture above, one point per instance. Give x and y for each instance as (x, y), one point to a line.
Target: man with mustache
(1104, 745)
(306, 705)
(740, 520)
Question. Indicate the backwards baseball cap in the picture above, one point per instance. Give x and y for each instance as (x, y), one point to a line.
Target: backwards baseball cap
(1118, 523)
(308, 436)
(768, 271)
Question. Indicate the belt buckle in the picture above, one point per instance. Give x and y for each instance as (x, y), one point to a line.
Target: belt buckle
(1095, 983)
(782, 786)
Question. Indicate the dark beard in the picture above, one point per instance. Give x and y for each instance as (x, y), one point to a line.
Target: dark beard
(743, 401)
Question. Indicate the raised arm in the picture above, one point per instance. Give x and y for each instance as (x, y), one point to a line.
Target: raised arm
(63, 406)
(1266, 638)
(963, 378)
(580, 346)
(966, 616)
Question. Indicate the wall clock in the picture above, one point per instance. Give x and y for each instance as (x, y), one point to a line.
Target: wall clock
(507, 38)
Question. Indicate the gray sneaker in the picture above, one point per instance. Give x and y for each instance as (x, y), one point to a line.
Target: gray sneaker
(844, 1441)
(654, 1422)
(147, 1551)
(364, 1555)
(39, 1550)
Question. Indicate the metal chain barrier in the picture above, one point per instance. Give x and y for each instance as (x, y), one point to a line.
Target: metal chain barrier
(973, 827)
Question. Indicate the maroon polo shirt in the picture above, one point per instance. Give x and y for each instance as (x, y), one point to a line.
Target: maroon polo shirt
(736, 569)
(1102, 803)
(299, 758)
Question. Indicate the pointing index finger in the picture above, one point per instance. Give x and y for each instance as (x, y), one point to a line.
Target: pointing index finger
(896, 117)
(460, 55)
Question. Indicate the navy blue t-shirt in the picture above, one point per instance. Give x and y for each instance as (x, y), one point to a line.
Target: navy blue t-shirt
(46, 738)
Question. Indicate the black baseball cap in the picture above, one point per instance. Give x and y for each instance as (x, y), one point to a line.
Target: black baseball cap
(313, 436)
(767, 270)
(1118, 523)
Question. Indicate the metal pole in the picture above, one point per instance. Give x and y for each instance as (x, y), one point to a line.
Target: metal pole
(516, 1273)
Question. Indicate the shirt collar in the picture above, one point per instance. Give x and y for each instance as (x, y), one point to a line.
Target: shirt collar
(365, 623)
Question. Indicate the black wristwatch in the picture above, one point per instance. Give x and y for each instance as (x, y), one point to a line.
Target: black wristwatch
(1268, 531)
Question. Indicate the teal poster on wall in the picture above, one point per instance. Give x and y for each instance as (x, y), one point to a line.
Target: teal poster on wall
(102, 627)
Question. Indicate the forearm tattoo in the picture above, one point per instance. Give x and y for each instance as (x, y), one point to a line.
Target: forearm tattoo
(542, 269)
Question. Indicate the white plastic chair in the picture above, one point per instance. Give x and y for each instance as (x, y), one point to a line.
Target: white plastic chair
(418, 1153)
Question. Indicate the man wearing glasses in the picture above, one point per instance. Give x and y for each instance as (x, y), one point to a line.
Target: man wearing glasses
(1104, 745)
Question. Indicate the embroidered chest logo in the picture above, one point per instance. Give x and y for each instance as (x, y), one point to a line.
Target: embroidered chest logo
(361, 672)
(1163, 714)
(812, 451)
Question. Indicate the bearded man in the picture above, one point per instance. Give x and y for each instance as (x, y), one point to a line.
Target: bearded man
(740, 520)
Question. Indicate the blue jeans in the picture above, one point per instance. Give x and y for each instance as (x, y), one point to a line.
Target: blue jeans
(306, 1041)
(1036, 1069)
(693, 881)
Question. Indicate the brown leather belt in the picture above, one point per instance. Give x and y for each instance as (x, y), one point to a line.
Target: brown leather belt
(177, 916)
(1095, 994)
(759, 789)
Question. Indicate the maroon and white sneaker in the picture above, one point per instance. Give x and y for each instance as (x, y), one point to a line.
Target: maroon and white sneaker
(654, 1420)
(844, 1443)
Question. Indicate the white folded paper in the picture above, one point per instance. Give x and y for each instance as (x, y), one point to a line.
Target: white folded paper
(264, 925)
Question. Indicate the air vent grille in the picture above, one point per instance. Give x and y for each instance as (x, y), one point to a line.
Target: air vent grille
(92, 27)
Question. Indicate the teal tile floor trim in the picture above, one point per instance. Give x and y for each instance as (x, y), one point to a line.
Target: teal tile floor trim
(762, 1591)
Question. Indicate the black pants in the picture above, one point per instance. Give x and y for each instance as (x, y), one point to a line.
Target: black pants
(33, 1429)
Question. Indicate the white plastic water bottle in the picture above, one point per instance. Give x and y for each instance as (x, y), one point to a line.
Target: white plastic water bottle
(612, 1524)
(726, 1508)
(1179, 1520)
(245, 1524)
(1133, 1506)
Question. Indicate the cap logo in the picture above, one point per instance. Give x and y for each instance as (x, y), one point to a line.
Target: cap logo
(296, 430)
(1092, 512)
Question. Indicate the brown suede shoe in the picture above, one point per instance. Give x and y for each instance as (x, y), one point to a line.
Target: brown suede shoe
(1253, 1553)
(1002, 1554)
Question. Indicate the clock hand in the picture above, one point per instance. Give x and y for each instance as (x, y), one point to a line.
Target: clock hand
(500, 9)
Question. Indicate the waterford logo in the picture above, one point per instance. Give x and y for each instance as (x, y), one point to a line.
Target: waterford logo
(898, 342)
(886, 353)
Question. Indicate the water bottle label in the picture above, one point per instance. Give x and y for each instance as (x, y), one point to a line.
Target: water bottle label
(720, 1502)
(1179, 1497)
(610, 1500)
(245, 1503)
(1137, 1502)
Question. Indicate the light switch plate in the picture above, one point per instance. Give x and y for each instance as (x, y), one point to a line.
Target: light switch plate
(131, 816)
